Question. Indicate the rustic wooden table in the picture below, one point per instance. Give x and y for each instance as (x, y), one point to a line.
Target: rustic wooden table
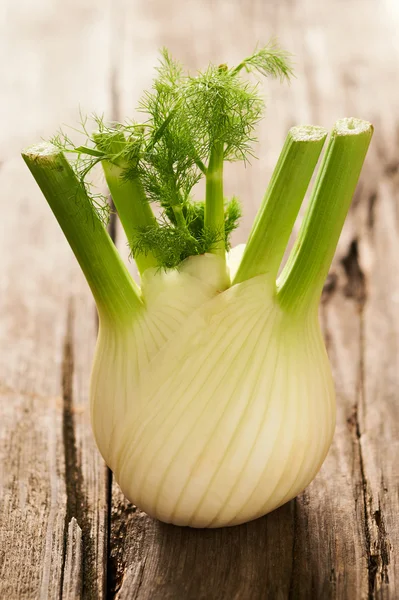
(65, 529)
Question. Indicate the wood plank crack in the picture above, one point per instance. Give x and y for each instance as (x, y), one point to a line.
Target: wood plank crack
(377, 547)
(72, 572)
(356, 284)
(76, 501)
(380, 550)
(291, 592)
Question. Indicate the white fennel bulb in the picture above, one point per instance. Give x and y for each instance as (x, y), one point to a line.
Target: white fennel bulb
(231, 412)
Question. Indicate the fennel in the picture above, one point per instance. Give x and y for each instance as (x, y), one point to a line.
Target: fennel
(211, 393)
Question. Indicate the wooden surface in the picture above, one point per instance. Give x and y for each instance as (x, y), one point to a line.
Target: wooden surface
(65, 529)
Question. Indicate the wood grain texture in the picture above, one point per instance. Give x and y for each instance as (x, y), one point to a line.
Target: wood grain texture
(72, 581)
(50, 470)
(340, 538)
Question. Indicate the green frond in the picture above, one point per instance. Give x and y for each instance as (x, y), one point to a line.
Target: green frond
(192, 124)
(222, 108)
(170, 71)
(169, 244)
(233, 214)
(168, 165)
(270, 60)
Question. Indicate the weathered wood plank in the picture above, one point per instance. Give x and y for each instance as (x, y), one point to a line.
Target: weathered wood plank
(50, 472)
(379, 409)
(154, 560)
(72, 584)
(371, 265)
(335, 539)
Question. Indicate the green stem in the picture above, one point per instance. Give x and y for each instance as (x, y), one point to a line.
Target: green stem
(128, 195)
(275, 220)
(214, 200)
(200, 165)
(180, 220)
(177, 207)
(181, 223)
(302, 279)
(115, 293)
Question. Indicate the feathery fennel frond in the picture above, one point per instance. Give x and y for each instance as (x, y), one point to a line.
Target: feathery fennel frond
(171, 244)
(270, 60)
(192, 124)
(168, 165)
(222, 108)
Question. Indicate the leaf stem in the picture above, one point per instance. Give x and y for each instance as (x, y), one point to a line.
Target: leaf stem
(176, 206)
(115, 293)
(200, 165)
(276, 217)
(214, 200)
(128, 195)
(302, 279)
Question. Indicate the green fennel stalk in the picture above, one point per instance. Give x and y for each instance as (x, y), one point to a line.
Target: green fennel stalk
(115, 292)
(127, 193)
(214, 200)
(272, 228)
(302, 279)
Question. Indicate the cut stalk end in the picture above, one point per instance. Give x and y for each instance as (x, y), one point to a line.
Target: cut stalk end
(45, 151)
(353, 126)
(308, 133)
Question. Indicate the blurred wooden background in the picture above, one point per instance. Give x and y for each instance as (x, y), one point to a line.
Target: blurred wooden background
(65, 529)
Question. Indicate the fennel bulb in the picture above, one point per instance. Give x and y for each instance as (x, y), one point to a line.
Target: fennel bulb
(212, 399)
(231, 411)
